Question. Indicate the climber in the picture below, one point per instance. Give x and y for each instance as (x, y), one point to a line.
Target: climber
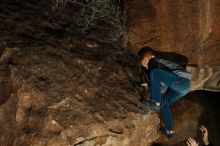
(206, 142)
(174, 79)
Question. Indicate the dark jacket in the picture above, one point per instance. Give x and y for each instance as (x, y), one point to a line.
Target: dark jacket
(160, 63)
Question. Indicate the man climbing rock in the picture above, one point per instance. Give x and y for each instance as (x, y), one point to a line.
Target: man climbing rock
(164, 73)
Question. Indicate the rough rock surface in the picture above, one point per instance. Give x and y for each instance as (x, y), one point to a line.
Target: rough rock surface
(67, 97)
(62, 89)
(213, 83)
(190, 28)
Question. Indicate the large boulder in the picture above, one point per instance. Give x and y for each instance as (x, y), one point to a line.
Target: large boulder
(73, 97)
(63, 89)
(190, 28)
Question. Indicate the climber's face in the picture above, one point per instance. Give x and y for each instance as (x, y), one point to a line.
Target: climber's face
(145, 60)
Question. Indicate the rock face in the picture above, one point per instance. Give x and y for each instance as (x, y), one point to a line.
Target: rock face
(190, 28)
(213, 83)
(65, 98)
(62, 89)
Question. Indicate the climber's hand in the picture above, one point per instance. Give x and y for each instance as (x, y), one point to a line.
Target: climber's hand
(204, 135)
(192, 142)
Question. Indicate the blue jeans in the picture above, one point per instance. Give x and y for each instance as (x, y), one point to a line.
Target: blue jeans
(177, 88)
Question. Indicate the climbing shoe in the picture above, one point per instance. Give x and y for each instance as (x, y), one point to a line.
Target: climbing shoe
(166, 133)
(151, 105)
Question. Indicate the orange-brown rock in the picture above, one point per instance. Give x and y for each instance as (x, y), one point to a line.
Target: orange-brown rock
(63, 89)
(80, 101)
(190, 28)
(68, 90)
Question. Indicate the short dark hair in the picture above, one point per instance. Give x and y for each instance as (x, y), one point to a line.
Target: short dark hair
(145, 50)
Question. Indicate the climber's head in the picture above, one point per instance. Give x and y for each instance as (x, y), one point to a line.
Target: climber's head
(145, 54)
